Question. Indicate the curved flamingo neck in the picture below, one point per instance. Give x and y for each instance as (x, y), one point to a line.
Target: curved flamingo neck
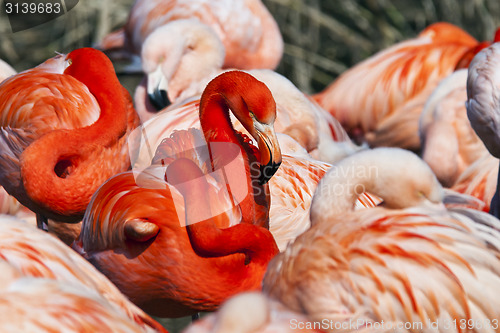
(214, 118)
(207, 240)
(58, 174)
(100, 78)
(216, 125)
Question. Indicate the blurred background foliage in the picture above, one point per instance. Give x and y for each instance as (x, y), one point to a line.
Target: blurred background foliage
(323, 37)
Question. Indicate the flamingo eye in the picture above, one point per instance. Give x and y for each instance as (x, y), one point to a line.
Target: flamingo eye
(68, 63)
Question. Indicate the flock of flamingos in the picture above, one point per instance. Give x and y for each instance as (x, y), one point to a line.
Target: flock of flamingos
(220, 187)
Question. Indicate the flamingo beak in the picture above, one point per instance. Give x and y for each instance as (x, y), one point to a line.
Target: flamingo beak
(157, 89)
(270, 152)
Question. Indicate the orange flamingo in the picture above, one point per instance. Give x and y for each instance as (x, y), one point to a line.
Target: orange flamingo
(380, 99)
(63, 132)
(413, 261)
(38, 268)
(254, 313)
(147, 234)
(449, 144)
(8, 204)
(249, 33)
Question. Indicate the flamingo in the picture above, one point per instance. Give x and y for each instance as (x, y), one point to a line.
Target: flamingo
(482, 104)
(63, 132)
(380, 99)
(293, 185)
(471, 53)
(297, 116)
(145, 248)
(253, 312)
(191, 55)
(249, 33)
(412, 261)
(449, 144)
(37, 269)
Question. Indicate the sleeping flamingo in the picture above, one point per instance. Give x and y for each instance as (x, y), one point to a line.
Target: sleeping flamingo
(63, 132)
(40, 275)
(412, 261)
(145, 247)
(249, 33)
(482, 105)
(380, 100)
(253, 312)
(449, 144)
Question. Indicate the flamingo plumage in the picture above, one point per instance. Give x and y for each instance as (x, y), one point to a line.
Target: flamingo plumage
(292, 189)
(293, 185)
(8, 204)
(37, 268)
(297, 116)
(253, 313)
(63, 132)
(449, 144)
(191, 55)
(482, 105)
(479, 180)
(27, 305)
(145, 247)
(249, 33)
(380, 99)
(6, 70)
(413, 261)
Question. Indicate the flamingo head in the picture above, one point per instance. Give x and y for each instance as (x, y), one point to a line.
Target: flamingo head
(87, 63)
(256, 110)
(396, 175)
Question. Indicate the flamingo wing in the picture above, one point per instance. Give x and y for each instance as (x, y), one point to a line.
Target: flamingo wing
(390, 88)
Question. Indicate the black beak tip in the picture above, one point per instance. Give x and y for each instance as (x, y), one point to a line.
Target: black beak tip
(159, 99)
(267, 171)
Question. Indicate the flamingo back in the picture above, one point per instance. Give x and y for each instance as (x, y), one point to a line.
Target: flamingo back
(383, 96)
